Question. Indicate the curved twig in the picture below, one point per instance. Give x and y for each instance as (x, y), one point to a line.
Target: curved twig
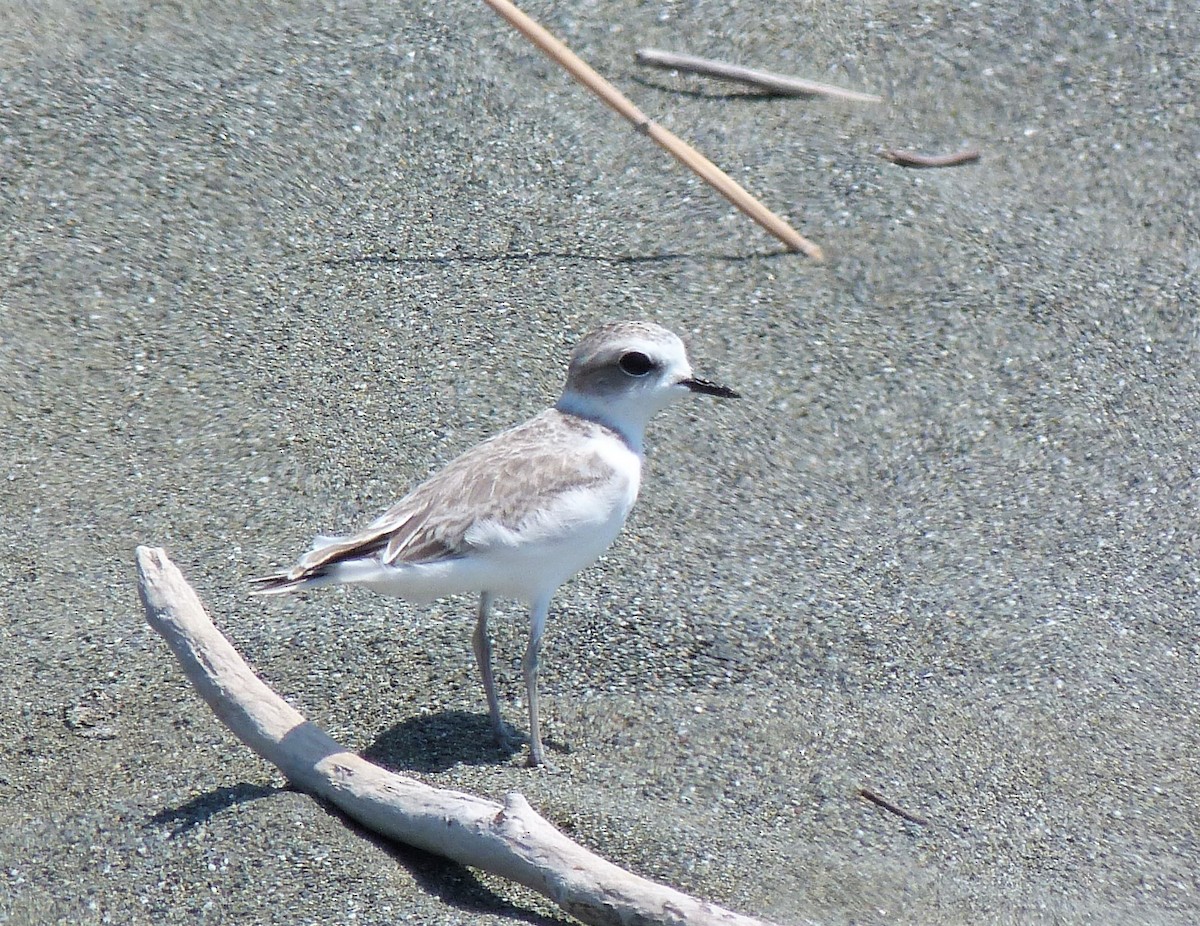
(916, 159)
(508, 839)
(881, 801)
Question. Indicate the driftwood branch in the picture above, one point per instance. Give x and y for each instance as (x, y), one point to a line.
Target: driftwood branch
(764, 80)
(508, 839)
(681, 150)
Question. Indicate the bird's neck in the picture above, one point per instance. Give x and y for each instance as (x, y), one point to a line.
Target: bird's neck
(626, 423)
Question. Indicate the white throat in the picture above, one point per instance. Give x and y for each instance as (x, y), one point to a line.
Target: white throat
(628, 419)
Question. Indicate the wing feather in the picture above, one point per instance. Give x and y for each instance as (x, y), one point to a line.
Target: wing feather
(502, 483)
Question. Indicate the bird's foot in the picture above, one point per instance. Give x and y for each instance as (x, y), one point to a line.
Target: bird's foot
(541, 762)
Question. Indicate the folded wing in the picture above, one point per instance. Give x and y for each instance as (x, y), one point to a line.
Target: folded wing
(494, 491)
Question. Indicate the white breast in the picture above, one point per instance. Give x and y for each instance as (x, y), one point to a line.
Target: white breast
(551, 545)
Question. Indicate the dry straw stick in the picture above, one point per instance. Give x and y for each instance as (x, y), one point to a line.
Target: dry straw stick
(685, 153)
(765, 80)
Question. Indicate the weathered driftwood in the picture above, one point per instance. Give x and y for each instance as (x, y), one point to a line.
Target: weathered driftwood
(508, 839)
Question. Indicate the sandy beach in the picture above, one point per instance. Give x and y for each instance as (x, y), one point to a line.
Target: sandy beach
(264, 267)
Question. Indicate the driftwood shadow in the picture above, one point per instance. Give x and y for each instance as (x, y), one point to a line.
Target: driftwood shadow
(202, 807)
(450, 882)
(455, 884)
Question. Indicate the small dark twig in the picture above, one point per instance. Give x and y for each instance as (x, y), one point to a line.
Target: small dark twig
(916, 159)
(887, 805)
(764, 80)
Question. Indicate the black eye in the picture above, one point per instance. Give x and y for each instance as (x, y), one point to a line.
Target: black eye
(635, 363)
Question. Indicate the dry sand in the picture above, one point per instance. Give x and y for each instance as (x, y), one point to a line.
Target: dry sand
(263, 266)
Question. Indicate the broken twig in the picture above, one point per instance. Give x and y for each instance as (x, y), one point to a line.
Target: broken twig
(764, 80)
(887, 805)
(916, 159)
(681, 150)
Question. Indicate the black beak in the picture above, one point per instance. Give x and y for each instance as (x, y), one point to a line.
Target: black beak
(707, 388)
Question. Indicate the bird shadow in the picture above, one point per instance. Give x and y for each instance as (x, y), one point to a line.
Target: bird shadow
(439, 741)
(436, 742)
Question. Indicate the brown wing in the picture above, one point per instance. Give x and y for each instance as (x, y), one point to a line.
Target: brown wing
(503, 481)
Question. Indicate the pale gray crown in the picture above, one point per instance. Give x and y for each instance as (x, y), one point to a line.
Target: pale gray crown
(597, 366)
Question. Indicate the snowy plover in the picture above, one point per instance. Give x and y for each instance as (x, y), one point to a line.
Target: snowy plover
(519, 514)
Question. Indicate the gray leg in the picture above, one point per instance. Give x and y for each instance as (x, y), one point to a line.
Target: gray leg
(481, 642)
(537, 627)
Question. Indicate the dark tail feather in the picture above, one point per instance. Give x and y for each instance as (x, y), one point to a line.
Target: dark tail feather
(312, 571)
(283, 582)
